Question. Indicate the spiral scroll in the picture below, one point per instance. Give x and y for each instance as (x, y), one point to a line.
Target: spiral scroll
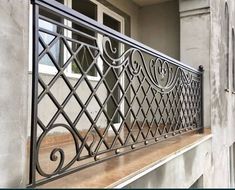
(53, 156)
(160, 73)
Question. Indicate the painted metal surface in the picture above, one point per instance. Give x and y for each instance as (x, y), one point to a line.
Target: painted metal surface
(153, 96)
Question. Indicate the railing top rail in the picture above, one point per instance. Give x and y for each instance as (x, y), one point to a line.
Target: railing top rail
(88, 22)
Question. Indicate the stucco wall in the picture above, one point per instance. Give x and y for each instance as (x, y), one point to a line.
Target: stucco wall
(222, 103)
(13, 91)
(206, 45)
(159, 27)
(180, 172)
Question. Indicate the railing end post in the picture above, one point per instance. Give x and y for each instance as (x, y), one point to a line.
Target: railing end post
(201, 68)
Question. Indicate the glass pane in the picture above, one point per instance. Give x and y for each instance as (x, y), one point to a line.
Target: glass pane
(85, 7)
(111, 22)
(85, 59)
(48, 37)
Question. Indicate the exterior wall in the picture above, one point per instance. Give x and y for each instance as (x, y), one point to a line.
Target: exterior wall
(159, 27)
(13, 96)
(181, 172)
(207, 46)
(222, 103)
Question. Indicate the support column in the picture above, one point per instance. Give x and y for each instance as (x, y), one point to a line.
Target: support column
(14, 47)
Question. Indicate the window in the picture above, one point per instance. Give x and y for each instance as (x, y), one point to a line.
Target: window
(93, 10)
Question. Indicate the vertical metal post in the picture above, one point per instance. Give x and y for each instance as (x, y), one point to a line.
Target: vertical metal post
(32, 176)
(201, 68)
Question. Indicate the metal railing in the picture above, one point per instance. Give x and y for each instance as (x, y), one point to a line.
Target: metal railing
(111, 94)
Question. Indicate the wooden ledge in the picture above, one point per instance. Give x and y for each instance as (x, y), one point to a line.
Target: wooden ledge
(122, 170)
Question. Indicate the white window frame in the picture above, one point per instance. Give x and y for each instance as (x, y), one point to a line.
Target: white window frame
(47, 69)
(101, 9)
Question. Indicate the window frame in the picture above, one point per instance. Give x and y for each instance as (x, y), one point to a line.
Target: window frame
(101, 9)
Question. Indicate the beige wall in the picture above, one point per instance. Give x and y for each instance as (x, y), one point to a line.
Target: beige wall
(159, 27)
(156, 25)
(132, 10)
(207, 46)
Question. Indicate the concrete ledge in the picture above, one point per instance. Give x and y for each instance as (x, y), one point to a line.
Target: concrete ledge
(187, 5)
(195, 12)
(121, 171)
(163, 161)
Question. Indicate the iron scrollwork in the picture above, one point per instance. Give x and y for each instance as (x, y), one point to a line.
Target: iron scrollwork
(156, 69)
(159, 98)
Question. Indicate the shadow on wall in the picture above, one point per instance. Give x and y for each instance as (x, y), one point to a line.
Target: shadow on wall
(189, 159)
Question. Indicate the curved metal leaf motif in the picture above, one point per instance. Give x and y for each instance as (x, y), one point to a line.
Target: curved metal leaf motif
(156, 69)
(53, 156)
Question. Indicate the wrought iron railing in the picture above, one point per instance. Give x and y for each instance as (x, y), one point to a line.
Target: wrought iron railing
(98, 94)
